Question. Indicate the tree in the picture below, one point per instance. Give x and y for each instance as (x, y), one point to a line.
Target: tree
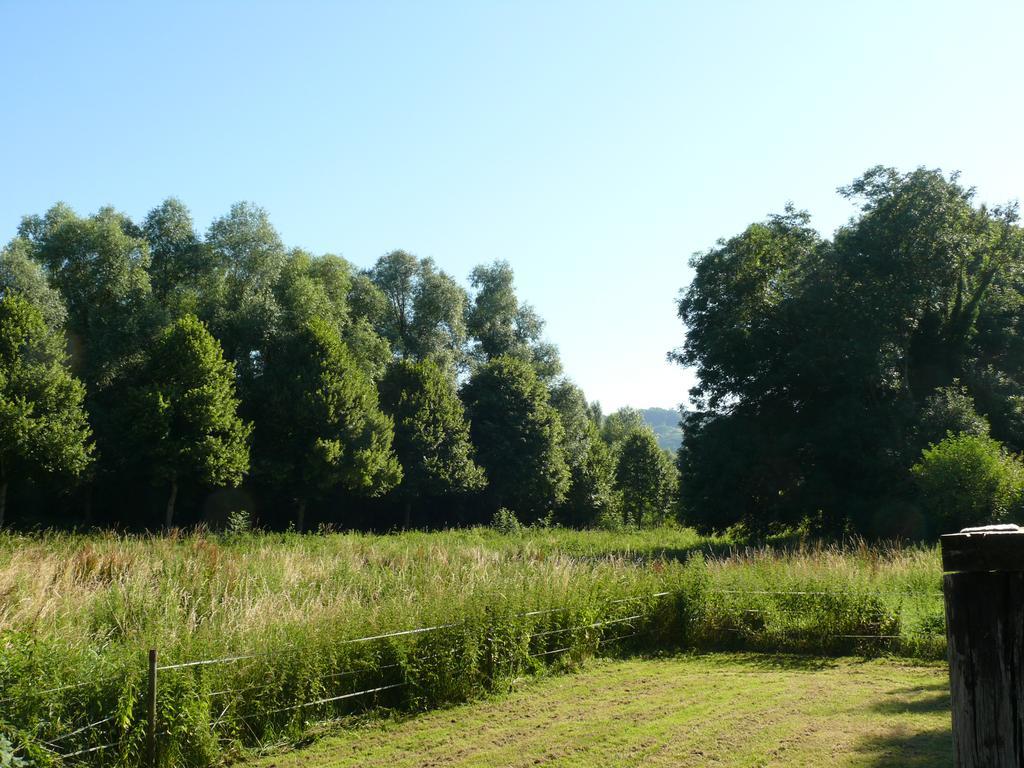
(250, 257)
(431, 433)
(816, 359)
(188, 413)
(590, 462)
(99, 264)
(321, 287)
(949, 411)
(186, 275)
(645, 476)
(518, 437)
(20, 274)
(969, 480)
(43, 427)
(500, 325)
(320, 426)
(617, 426)
(423, 313)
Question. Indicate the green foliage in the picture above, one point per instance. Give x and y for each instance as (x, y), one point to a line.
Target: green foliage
(821, 362)
(950, 410)
(646, 479)
(186, 410)
(506, 522)
(239, 522)
(8, 758)
(179, 262)
(99, 265)
(591, 465)
(112, 286)
(249, 258)
(321, 426)
(518, 437)
(501, 326)
(423, 312)
(20, 274)
(43, 427)
(312, 287)
(431, 432)
(969, 480)
(619, 425)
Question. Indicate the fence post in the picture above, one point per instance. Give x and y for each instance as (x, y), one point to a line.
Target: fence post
(983, 584)
(151, 713)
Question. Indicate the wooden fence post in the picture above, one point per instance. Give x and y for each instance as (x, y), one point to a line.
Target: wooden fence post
(983, 584)
(151, 713)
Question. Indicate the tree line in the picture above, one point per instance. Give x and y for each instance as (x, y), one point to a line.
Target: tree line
(872, 382)
(151, 376)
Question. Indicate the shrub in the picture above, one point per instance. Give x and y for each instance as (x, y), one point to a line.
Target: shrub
(969, 480)
(505, 521)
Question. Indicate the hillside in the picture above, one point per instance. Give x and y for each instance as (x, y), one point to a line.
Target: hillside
(665, 423)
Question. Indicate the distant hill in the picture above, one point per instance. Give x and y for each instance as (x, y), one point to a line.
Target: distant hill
(665, 423)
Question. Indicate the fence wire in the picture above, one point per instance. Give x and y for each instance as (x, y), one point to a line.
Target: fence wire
(80, 754)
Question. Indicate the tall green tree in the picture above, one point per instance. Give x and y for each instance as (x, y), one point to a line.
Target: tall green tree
(816, 358)
(187, 412)
(617, 426)
(250, 257)
(322, 287)
(518, 436)
(321, 427)
(591, 465)
(500, 326)
(186, 275)
(20, 274)
(43, 427)
(431, 433)
(100, 266)
(645, 477)
(423, 314)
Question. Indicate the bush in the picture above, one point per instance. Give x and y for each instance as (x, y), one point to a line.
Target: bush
(505, 521)
(969, 480)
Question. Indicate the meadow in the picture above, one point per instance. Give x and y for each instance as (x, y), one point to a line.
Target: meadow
(679, 711)
(284, 619)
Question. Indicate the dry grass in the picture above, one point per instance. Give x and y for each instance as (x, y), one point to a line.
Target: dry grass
(82, 610)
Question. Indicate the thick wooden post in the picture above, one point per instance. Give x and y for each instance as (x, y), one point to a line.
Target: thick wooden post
(983, 583)
(151, 713)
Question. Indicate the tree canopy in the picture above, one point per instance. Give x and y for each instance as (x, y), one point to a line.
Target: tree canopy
(43, 428)
(519, 437)
(431, 433)
(348, 380)
(186, 421)
(819, 360)
(321, 427)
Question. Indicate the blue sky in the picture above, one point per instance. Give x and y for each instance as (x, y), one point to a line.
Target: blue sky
(593, 145)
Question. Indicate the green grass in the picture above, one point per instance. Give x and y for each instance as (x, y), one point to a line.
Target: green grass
(83, 610)
(716, 709)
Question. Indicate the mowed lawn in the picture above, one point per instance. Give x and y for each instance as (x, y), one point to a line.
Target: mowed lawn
(716, 709)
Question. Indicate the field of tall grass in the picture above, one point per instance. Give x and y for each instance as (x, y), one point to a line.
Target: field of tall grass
(283, 618)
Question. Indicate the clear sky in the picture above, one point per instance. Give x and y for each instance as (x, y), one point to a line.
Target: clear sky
(593, 145)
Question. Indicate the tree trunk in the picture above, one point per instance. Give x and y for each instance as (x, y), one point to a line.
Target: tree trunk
(300, 515)
(169, 517)
(3, 500)
(407, 514)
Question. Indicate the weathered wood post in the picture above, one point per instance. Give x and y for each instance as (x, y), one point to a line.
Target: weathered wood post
(983, 583)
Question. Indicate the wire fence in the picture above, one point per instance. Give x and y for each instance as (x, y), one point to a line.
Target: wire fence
(110, 732)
